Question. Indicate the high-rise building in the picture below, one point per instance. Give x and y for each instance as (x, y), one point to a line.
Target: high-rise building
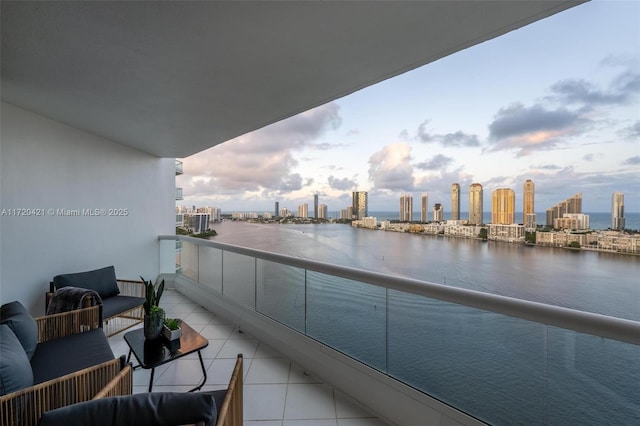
(570, 205)
(475, 204)
(455, 201)
(438, 212)
(503, 206)
(277, 209)
(303, 210)
(528, 207)
(617, 211)
(360, 205)
(322, 211)
(406, 208)
(197, 222)
(424, 211)
(315, 206)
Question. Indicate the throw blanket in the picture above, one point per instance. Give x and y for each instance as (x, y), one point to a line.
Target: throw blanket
(71, 298)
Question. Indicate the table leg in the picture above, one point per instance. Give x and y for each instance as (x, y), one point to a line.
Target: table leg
(153, 370)
(204, 373)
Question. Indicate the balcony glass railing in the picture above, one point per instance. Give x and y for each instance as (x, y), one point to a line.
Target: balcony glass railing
(179, 194)
(501, 360)
(179, 168)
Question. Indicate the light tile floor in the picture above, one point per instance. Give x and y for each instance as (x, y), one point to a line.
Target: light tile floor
(277, 392)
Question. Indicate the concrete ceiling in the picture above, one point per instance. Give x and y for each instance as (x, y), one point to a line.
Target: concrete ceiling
(173, 78)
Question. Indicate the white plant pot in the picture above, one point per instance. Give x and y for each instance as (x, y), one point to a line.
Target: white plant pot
(171, 334)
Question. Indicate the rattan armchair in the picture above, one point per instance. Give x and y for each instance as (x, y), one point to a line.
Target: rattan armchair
(24, 407)
(122, 300)
(231, 411)
(219, 408)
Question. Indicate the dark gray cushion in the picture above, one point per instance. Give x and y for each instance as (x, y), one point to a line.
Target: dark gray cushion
(116, 305)
(103, 281)
(22, 324)
(69, 354)
(15, 370)
(159, 408)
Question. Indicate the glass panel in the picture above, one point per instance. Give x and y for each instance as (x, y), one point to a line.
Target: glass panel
(211, 267)
(592, 381)
(189, 260)
(280, 293)
(239, 276)
(488, 365)
(349, 316)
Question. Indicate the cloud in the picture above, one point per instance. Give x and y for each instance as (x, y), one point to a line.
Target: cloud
(526, 129)
(391, 169)
(262, 159)
(438, 162)
(622, 88)
(587, 157)
(632, 161)
(291, 182)
(547, 167)
(344, 184)
(583, 92)
(456, 139)
(422, 135)
(633, 131)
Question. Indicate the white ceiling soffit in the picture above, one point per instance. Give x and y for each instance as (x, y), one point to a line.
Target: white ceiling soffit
(175, 78)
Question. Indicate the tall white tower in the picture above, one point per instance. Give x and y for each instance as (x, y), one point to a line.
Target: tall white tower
(617, 211)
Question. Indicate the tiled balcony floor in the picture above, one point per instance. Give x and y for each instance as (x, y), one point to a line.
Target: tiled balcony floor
(276, 391)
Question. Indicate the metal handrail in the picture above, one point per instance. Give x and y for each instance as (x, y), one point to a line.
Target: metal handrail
(584, 322)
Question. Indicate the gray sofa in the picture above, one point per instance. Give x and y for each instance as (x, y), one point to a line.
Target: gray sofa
(51, 361)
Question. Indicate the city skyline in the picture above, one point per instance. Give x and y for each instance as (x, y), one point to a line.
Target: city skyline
(555, 102)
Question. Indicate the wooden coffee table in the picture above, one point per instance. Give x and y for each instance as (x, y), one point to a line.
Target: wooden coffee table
(154, 353)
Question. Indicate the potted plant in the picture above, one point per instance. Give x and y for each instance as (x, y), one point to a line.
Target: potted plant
(171, 329)
(153, 313)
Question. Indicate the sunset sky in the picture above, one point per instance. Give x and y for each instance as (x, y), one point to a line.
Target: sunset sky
(557, 102)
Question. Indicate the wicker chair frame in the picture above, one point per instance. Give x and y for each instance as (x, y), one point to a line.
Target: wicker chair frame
(230, 414)
(127, 319)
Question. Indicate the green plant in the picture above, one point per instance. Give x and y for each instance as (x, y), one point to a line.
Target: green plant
(172, 323)
(156, 311)
(152, 294)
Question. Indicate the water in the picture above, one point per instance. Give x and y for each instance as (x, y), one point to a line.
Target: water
(484, 363)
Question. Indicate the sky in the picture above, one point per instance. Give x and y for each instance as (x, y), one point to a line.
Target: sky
(557, 102)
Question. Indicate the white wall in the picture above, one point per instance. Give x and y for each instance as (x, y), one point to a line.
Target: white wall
(47, 165)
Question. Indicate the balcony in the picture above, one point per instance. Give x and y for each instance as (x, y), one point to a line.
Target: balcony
(179, 168)
(179, 194)
(294, 305)
(275, 388)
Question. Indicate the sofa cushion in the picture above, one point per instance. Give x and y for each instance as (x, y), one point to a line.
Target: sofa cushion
(69, 354)
(103, 281)
(15, 370)
(22, 324)
(159, 408)
(116, 305)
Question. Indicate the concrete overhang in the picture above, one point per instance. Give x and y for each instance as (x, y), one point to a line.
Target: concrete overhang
(175, 78)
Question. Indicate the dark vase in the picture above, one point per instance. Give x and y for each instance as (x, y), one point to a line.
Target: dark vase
(153, 326)
(153, 351)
